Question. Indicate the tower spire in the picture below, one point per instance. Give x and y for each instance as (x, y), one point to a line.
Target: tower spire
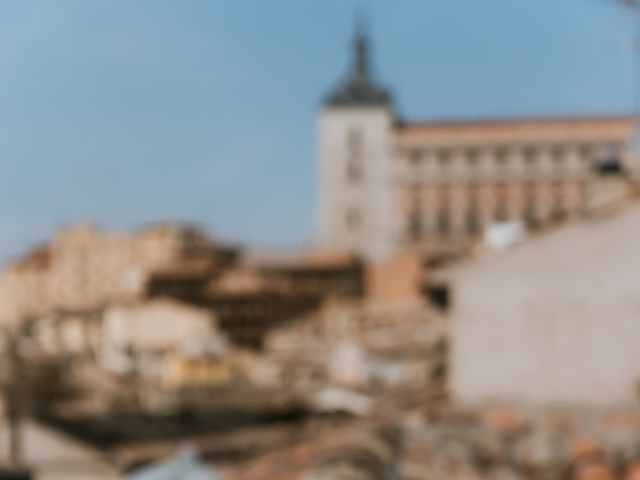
(359, 88)
(361, 61)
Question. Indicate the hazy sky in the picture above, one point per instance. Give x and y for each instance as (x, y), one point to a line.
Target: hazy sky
(128, 111)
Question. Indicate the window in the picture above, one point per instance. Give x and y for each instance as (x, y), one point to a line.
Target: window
(444, 220)
(558, 212)
(439, 295)
(416, 225)
(558, 154)
(530, 216)
(444, 157)
(354, 142)
(473, 154)
(530, 155)
(502, 157)
(354, 159)
(501, 214)
(354, 170)
(415, 157)
(473, 223)
(529, 191)
(609, 161)
(586, 152)
(353, 219)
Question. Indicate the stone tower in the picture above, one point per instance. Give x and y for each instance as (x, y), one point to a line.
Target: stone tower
(355, 131)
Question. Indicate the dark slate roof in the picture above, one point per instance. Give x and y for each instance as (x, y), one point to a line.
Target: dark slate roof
(359, 88)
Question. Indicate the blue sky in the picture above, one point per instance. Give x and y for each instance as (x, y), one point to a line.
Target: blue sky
(123, 112)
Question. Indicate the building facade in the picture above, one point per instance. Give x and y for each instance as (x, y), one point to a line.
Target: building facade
(84, 269)
(384, 183)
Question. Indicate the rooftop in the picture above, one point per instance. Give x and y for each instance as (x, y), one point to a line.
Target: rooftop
(359, 88)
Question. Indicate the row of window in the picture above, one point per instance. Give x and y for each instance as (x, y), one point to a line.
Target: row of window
(418, 224)
(355, 165)
(502, 154)
(474, 190)
(474, 221)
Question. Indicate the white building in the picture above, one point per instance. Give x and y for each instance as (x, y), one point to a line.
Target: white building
(554, 321)
(140, 336)
(385, 183)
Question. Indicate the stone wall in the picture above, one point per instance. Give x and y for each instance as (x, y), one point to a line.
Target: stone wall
(553, 321)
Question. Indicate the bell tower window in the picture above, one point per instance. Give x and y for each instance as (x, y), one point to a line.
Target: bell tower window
(354, 155)
(354, 142)
(353, 219)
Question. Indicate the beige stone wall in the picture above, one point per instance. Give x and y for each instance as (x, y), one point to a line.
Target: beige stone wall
(434, 183)
(88, 268)
(83, 269)
(453, 180)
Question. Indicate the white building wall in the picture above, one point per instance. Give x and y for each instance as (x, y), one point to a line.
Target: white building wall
(370, 195)
(554, 322)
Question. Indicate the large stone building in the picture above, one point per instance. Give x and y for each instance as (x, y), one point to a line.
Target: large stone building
(385, 183)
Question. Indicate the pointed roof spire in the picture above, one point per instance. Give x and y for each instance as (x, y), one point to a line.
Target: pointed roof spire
(359, 87)
(361, 51)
